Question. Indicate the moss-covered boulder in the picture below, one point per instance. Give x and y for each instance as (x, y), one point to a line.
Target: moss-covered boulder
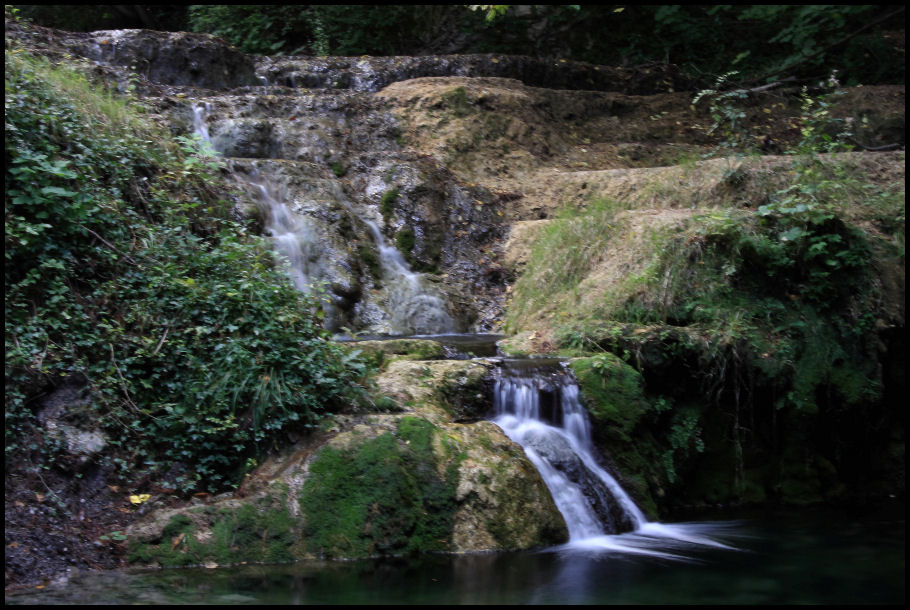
(613, 393)
(374, 485)
(382, 351)
(373, 491)
(423, 487)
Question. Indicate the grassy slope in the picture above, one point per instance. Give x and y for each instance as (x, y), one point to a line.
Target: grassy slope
(754, 304)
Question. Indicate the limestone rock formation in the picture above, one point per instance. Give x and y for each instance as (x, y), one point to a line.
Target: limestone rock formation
(381, 484)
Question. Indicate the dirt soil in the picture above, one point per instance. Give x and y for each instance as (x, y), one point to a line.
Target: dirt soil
(540, 149)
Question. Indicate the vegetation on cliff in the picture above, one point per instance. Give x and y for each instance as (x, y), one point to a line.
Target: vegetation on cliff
(763, 312)
(126, 271)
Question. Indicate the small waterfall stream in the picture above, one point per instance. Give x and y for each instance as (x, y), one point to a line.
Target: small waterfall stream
(537, 405)
(410, 305)
(536, 401)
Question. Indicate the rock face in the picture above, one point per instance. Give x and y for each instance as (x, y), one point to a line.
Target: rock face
(379, 226)
(172, 58)
(382, 484)
(66, 423)
(420, 163)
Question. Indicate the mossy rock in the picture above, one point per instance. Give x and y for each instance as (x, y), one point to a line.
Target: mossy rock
(380, 496)
(421, 487)
(613, 393)
(383, 351)
(465, 391)
(262, 530)
(504, 503)
(453, 389)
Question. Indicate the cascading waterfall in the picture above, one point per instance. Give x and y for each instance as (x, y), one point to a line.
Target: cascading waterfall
(537, 405)
(412, 307)
(292, 236)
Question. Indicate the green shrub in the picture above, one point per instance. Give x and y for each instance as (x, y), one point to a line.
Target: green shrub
(123, 265)
(405, 241)
(387, 205)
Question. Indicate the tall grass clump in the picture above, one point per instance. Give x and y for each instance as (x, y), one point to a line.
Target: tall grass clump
(565, 250)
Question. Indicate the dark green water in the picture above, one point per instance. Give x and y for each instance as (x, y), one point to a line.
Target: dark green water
(807, 557)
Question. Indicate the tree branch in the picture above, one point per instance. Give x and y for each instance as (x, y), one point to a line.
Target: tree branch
(110, 245)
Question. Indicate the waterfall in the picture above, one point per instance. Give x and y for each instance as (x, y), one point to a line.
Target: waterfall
(414, 310)
(537, 405)
(412, 307)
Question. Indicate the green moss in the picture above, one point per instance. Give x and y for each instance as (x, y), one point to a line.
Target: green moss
(381, 497)
(338, 169)
(368, 257)
(418, 434)
(458, 102)
(401, 349)
(387, 204)
(404, 241)
(179, 524)
(636, 486)
(613, 393)
(261, 532)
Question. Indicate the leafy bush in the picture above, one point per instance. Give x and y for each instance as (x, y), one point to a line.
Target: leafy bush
(124, 266)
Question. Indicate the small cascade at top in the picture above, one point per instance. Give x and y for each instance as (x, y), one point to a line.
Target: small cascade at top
(537, 405)
(411, 306)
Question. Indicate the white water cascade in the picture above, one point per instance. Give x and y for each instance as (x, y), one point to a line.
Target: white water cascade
(412, 307)
(537, 405)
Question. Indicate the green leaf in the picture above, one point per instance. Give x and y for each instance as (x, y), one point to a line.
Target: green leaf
(792, 234)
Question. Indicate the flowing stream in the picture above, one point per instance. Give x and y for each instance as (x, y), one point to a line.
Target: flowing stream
(614, 555)
(410, 305)
(537, 405)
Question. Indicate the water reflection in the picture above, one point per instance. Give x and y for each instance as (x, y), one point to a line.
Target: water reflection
(808, 557)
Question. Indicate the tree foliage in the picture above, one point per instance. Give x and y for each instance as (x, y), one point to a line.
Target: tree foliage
(863, 42)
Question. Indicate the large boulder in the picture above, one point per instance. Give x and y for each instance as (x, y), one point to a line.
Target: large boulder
(373, 485)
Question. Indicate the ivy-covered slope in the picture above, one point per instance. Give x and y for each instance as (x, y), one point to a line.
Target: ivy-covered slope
(126, 275)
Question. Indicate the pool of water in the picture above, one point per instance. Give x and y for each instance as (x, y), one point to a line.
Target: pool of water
(804, 557)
